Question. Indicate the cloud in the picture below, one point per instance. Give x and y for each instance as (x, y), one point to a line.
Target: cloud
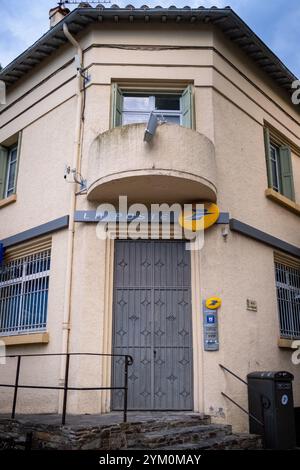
(22, 23)
(285, 38)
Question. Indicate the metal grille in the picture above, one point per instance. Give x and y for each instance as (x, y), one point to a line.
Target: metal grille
(288, 298)
(24, 294)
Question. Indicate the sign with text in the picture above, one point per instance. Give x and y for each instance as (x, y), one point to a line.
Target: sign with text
(210, 329)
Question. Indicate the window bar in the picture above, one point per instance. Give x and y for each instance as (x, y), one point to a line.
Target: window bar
(288, 288)
(9, 305)
(24, 294)
(40, 296)
(34, 288)
(33, 282)
(291, 305)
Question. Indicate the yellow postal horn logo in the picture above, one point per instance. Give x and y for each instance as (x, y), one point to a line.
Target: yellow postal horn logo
(200, 217)
(213, 303)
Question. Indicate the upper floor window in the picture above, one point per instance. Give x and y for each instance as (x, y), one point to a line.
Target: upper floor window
(288, 297)
(275, 167)
(9, 157)
(130, 106)
(24, 283)
(10, 187)
(279, 166)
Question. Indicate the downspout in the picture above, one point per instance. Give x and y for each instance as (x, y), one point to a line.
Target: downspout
(71, 228)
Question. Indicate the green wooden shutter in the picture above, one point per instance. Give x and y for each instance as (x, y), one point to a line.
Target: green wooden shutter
(268, 157)
(286, 170)
(116, 106)
(3, 170)
(187, 108)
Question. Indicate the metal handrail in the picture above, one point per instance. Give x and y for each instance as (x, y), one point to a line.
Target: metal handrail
(243, 409)
(234, 375)
(128, 362)
(265, 402)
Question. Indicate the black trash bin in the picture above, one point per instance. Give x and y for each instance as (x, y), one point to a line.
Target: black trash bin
(297, 423)
(270, 397)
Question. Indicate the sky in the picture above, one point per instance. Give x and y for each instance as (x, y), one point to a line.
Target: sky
(276, 22)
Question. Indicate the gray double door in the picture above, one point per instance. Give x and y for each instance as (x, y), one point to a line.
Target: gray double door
(152, 322)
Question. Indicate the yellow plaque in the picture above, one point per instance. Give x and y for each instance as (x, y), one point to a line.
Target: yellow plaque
(213, 303)
(199, 219)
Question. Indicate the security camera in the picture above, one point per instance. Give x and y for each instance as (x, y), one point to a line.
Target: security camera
(67, 171)
(77, 62)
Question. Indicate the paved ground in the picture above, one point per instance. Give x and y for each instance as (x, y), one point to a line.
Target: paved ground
(100, 420)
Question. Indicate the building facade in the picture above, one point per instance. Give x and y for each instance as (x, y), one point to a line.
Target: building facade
(72, 138)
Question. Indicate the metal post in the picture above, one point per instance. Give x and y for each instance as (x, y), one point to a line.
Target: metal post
(127, 362)
(265, 404)
(63, 420)
(13, 413)
(28, 441)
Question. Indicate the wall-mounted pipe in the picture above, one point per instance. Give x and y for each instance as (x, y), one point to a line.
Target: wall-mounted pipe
(71, 228)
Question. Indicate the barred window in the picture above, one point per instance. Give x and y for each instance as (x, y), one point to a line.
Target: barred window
(288, 299)
(24, 284)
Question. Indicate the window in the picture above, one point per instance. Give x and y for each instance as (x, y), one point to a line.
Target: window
(130, 107)
(279, 166)
(24, 286)
(275, 165)
(11, 172)
(9, 157)
(288, 298)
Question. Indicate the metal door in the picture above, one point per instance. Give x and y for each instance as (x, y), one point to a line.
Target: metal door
(152, 323)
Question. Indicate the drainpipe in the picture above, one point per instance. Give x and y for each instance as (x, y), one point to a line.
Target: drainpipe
(71, 228)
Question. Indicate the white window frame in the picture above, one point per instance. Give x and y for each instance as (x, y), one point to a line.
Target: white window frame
(10, 161)
(151, 94)
(288, 299)
(277, 185)
(24, 296)
(185, 94)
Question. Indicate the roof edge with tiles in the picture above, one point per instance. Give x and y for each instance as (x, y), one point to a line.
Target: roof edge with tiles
(223, 18)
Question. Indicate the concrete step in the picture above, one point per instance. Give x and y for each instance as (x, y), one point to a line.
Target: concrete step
(180, 435)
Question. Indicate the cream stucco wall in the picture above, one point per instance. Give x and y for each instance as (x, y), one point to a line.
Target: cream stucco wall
(237, 269)
(232, 99)
(40, 371)
(42, 192)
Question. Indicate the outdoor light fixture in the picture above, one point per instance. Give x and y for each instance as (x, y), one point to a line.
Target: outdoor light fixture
(151, 127)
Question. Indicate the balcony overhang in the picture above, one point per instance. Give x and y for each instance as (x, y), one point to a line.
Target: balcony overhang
(177, 166)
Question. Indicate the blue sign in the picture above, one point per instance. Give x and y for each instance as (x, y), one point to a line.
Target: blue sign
(284, 400)
(210, 329)
(2, 250)
(210, 319)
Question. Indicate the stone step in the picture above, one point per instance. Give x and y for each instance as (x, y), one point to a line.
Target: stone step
(180, 435)
(169, 422)
(229, 442)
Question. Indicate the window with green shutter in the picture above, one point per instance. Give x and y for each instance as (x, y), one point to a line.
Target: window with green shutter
(9, 158)
(3, 170)
(279, 166)
(130, 107)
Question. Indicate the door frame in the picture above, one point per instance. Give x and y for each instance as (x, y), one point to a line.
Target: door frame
(197, 328)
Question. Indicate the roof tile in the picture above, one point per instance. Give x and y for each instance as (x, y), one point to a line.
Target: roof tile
(224, 18)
